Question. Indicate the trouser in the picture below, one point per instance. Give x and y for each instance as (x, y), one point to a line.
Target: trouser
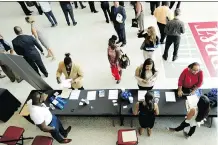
(176, 41)
(121, 3)
(107, 13)
(81, 4)
(24, 7)
(92, 6)
(153, 6)
(148, 54)
(70, 11)
(172, 4)
(81, 88)
(116, 72)
(121, 34)
(10, 74)
(184, 125)
(38, 7)
(145, 88)
(51, 17)
(59, 131)
(162, 33)
(141, 21)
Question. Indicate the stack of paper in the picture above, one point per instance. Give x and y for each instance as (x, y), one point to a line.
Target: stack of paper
(65, 93)
(141, 95)
(113, 95)
(75, 95)
(101, 93)
(170, 96)
(91, 95)
(192, 101)
(66, 83)
(129, 136)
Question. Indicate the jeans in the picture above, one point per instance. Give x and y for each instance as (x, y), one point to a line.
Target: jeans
(51, 17)
(169, 41)
(184, 125)
(70, 11)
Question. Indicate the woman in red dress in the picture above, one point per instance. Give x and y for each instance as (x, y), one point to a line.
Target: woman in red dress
(113, 57)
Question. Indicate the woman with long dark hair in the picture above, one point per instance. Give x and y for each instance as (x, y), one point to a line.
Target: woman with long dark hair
(195, 117)
(146, 75)
(146, 110)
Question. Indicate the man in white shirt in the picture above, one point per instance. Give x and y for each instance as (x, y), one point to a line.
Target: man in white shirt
(46, 8)
(45, 120)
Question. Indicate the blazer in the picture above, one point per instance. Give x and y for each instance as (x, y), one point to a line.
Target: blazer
(76, 74)
(66, 5)
(121, 11)
(25, 45)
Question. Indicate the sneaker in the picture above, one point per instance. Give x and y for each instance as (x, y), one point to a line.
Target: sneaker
(67, 131)
(66, 141)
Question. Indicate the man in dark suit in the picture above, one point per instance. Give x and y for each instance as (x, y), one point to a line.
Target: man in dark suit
(106, 9)
(92, 7)
(67, 8)
(118, 12)
(24, 45)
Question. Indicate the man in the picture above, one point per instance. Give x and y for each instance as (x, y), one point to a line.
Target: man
(24, 8)
(118, 17)
(173, 30)
(172, 4)
(24, 45)
(68, 9)
(162, 14)
(92, 7)
(45, 120)
(106, 9)
(81, 4)
(122, 3)
(4, 48)
(153, 6)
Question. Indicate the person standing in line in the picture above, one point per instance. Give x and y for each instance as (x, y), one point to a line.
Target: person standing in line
(173, 30)
(140, 16)
(113, 58)
(40, 37)
(154, 5)
(81, 4)
(146, 75)
(146, 110)
(46, 8)
(24, 45)
(70, 71)
(92, 7)
(106, 9)
(118, 16)
(68, 9)
(172, 4)
(163, 15)
(121, 3)
(195, 117)
(24, 8)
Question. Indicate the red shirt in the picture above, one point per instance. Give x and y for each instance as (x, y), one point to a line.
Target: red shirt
(189, 80)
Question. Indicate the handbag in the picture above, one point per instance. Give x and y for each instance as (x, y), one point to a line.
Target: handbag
(124, 60)
(29, 3)
(134, 23)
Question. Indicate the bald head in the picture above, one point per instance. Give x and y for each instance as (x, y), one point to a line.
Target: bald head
(17, 30)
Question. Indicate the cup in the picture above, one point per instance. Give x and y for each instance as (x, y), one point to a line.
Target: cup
(131, 100)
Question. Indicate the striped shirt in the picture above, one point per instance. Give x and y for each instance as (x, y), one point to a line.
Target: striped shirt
(174, 27)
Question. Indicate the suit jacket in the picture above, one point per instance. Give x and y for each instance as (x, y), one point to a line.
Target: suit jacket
(121, 11)
(66, 5)
(76, 74)
(25, 45)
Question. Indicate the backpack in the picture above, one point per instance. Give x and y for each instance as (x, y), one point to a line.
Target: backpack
(124, 60)
(212, 95)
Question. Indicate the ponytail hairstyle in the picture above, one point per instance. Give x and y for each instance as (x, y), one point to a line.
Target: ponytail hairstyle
(67, 59)
(190, 66)
(111, 41)
(203, 108)
(149, 100)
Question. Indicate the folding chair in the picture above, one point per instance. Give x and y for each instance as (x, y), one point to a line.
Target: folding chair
(42, 140)
(120, 137)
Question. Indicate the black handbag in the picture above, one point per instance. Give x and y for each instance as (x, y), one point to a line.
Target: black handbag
(29, 3)
(134, 23)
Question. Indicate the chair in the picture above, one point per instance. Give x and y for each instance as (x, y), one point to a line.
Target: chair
(42, 140)
(13, 135)
(120, 137)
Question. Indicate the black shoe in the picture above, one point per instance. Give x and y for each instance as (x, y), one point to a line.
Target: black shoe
(107, 21)
(175, 58)
(68, 24)
(164, 57)
(123, 45)
(83, 7)
(118, 42)
(76, 7)
(152, 13)
(2, 76)
(67, 131)
(29, 14)
(56, 24)
(95, 11)
(46, 75)
(53, 25)
(20, 80)
(118, 82)
(75, 23)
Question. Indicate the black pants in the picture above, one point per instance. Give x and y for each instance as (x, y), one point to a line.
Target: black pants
(153, 6)
(78, 88)
(81, 4)
(107, 13)
(121, 34)
(51, 17)
(145, 88)
(37, 63)
(184, 125)
(162, 33)
(70, 12)
(172, 4)
(10, 74)
(24, 7)
(92, 6)
(176, 41)
(38, 7)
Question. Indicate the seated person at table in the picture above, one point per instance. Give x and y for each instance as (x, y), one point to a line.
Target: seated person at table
(195, 117)
(146, 111)
(71, 71)
(190, 79)
(146, 75)
(45, 120)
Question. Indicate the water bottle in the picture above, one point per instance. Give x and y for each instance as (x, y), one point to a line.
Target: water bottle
(60, 100)
(56, 103)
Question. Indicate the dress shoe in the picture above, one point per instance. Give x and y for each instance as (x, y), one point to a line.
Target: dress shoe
(164, 57)
(68, 24)
(123, 45)
(53, 25)
(162, 42)
(83, 7)
(20, 80)
(118, 82)
(75, 23)
(107, 21)
(46, 75)
(95, 11)
(2, 76)
(67, 131)
(66, 141)
(175, 58)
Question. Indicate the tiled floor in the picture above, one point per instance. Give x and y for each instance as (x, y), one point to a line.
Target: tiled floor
(87, 43)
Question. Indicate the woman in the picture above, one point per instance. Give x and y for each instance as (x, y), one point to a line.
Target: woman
(150, 43)
(71, 71)
(39, 36)
(146, 75)
(190, 80)
(195, 117)
(146, 111)
(113, 57)
(140, 16)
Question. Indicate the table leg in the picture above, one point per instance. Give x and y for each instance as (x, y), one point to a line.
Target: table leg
(113, 122)
(131, 122)
(211, 122)
(121, 120)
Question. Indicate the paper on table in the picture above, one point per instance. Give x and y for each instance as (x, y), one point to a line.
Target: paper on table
(91, 95)
(141, 95)
(192, 100)
(113, 95)
(74, 95)
(170, 96)
(129, 136)
(124, 107)
(115, 104)
(65, 93)
(80, 103)
(114, 101)
(66, 83)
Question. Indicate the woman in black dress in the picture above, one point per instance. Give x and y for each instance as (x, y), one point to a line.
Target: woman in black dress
(146, 110)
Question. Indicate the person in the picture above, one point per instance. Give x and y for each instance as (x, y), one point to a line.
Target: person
(146, 110)
(46, 8)
(154, 5)
(195, 117)
(173, 30)
(71, 71)
(1, 75)
(146, 75)
(81, 4)
(140, 16)
(24, 45)
(45, 120)
(118, 16)
(4, 48)
(37, 33)
(122, 3)
(92, 7)
(113, 58)
(172, 4)
(24, 8)
(150, 43)
(106, 9)
(68, 9)
(190, 79)
(163, 15)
